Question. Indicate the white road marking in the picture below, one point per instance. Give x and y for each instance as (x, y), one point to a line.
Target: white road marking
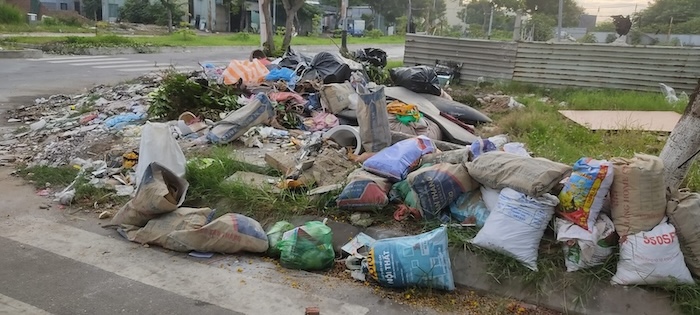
(10, 306)
(177, 275)
(87, 59)
(158, 68)
(96, 63)
(66, 58)
(135, 64)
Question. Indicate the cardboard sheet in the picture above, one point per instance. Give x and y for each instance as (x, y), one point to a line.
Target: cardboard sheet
(624, 120)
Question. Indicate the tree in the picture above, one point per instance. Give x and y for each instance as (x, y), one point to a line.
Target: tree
(657, 17)
(478, 13)
(542, 27)
(683, 146)
(270, 44)
(571, 13)
(170, 6)
(91, 7)
(291, 7)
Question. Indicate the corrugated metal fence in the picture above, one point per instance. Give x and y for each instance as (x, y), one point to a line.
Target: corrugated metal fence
(562, 64)
(480, 58)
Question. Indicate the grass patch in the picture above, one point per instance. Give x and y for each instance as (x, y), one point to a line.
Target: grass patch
(41, 176)
(391, 64)
(42, 27)
(209, 189)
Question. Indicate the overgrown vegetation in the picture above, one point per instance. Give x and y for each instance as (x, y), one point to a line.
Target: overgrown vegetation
(147, 12)
(178, 93)
(10, 14)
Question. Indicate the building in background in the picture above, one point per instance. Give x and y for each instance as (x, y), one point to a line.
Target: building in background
(587, 21)
(453, 7)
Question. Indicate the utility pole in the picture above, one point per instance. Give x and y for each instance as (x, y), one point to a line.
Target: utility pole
(561, 17)
(490, 23)
(410, 17)
(344, 16)
(274, 13)
(517, 29)
(263, 23)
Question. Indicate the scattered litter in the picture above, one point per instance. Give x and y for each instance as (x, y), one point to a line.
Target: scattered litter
(359, 245)
(197, 254)
(105, 215)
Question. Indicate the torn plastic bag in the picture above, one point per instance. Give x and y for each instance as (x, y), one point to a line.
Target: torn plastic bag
(419, 79)
(291, 59)
(373, 56)
(330, 68)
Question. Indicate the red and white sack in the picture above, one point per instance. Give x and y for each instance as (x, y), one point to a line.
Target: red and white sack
(652, 257)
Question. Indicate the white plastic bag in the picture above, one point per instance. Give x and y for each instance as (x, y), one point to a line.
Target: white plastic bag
(158, 145)
(652, 257)
(517, 226)
(584, 249)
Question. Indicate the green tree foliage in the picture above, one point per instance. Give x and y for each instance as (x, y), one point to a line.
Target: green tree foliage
(572, 10)
(543, 26)
(657, 17)
(91, 7)
(477, 13)
(142, 11)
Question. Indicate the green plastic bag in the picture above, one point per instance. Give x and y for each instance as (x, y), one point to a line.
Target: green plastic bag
(307, 247)
(403, 190)
(274, 236)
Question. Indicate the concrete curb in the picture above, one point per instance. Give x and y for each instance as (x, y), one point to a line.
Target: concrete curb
(21, 54)
(186, 49)
(471, 271)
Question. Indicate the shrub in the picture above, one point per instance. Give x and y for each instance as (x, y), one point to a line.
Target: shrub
(611, 38)
(588, 38)
(375, 33)
(10, 14)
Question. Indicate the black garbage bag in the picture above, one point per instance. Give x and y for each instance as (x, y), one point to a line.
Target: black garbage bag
(373, 56)
(291, 59)
(419, 79)
(330, 69)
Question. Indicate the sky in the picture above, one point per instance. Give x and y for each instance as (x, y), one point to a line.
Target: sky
(611, 7)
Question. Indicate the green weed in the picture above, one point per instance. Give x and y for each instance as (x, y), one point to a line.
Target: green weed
(43, 176)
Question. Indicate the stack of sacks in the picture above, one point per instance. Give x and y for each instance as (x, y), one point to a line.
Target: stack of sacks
(650, 252)
(524, 208)
(368, 187)
(589, 238)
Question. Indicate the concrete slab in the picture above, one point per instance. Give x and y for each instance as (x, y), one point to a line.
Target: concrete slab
(624, 120)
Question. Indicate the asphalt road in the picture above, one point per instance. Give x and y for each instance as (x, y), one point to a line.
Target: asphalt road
(21, 80)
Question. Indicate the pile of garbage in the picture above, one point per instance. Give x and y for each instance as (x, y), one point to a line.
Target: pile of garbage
(495, 186)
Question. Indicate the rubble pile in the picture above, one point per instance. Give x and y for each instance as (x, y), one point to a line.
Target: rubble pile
(61, 128)
(410, 148)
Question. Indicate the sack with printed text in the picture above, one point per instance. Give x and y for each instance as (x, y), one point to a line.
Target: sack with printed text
(638, 193)
(652, 257)
(396, 161)
(517, 225)
(412, 261)
(437, 186)
(228, 234)
(364, 192)
(584, 192)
